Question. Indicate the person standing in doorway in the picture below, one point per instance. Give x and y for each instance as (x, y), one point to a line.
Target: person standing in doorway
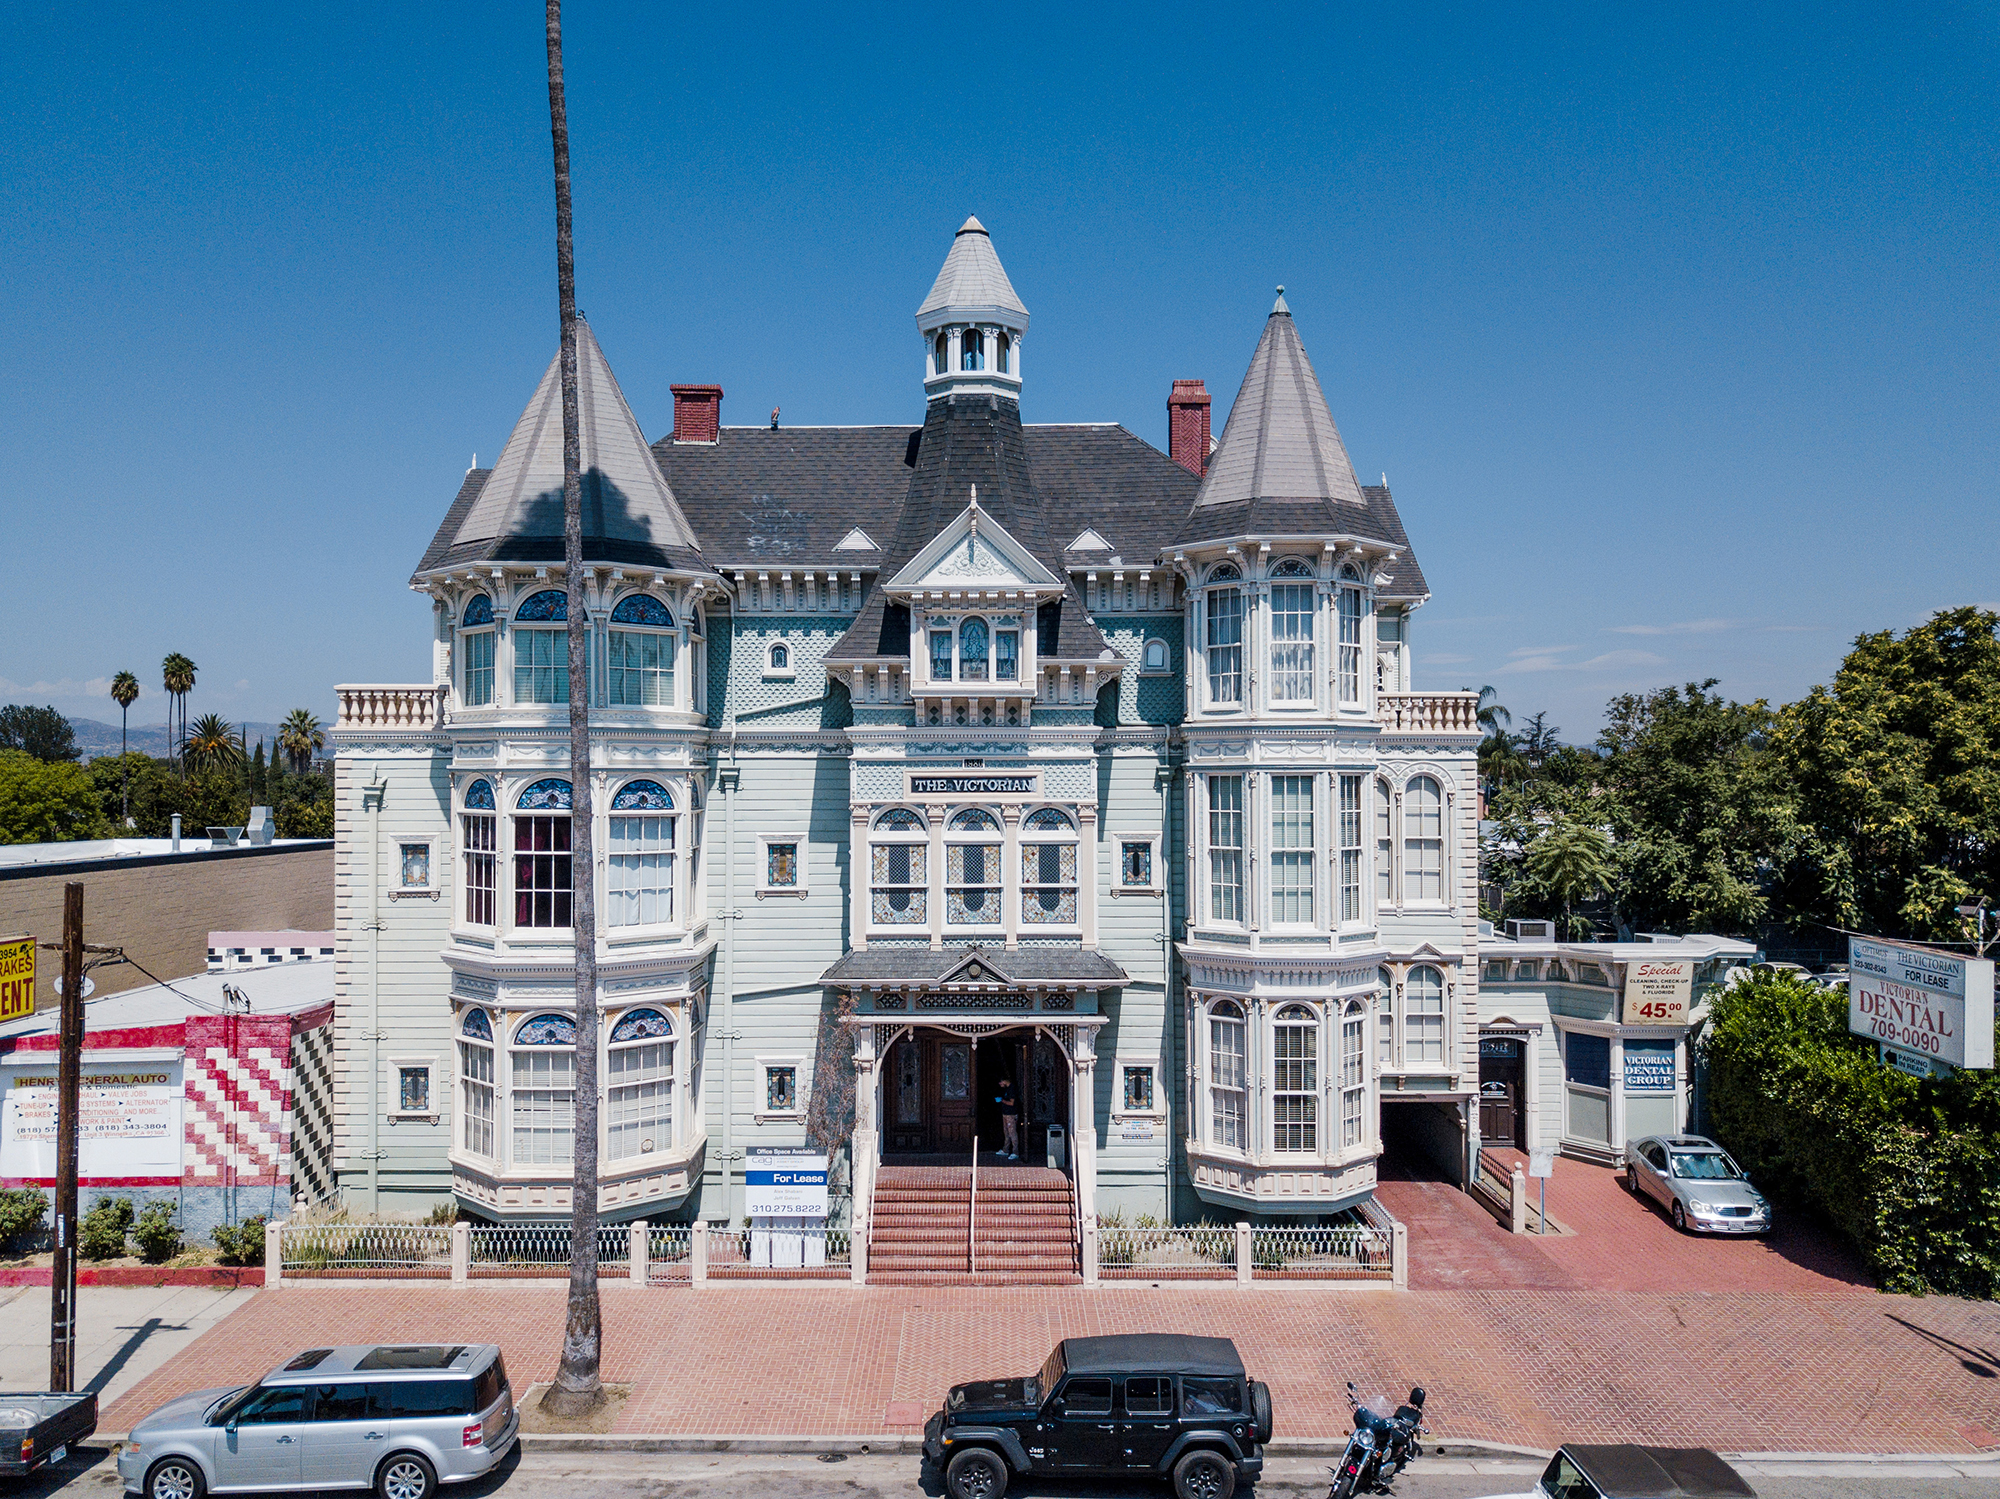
(1010, 1121)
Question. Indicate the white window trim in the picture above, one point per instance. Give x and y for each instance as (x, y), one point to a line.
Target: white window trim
(1118, 1109)
(395, 1066)
(787, 672)
(433, 886)
(1447, 811)
(764, 887)
(1118, 886)
(1314, 847)
(1205, 1079)
(759, 1109)
(681, 848)
(1245, 851)
(1156, 671)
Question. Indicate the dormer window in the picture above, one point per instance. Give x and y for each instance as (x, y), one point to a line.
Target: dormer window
(940, 655)
(972, 651)
(972, 350)
(1007, 656)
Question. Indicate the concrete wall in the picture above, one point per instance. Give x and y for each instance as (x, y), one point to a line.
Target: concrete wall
(161, 908)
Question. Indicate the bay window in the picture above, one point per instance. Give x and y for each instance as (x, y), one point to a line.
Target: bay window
(1353, 1076)
(475, 685)
(1048, 868)
(479, 830)
(542, 864)
(542, 1097)
(639, 1097)
(1423, 842)
(640, 654)
(1225, 638)
(898, 860)
(475, 1088)
(972, 869)
(639, 866)
(1225, 848)
(1292, 850)
(1350, 848)
(1292, 634)
(1295, 1080)
(1350, 646)
(1226, 1076)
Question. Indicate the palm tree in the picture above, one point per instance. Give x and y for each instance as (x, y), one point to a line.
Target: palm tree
(1493, 717)
(578, 1388)
(213, 744)
(177, 676)
(124, 692)
(301, 737)
(1571, 860)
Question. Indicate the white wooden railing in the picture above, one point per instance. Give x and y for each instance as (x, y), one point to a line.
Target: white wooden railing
(1429, 712)
(367, 706)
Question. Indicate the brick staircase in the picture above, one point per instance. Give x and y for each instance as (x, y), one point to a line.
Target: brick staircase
(1027, 1227)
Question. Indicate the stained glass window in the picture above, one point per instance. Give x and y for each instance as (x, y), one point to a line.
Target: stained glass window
(1006, 655)
(1048, 869)
(972, 820)
(549, 604)
(1135, 865)
(641, 1025)
(479, 796)
(546, 1030)
(898, 874)
(477, 1025)
(550, 795)
(900, 820)
(642, 796)
(972, 650)
(1050, 820)
(781, 865)
(478, 611)
(641, 609)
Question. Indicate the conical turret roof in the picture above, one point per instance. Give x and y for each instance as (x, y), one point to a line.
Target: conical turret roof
(973, 281)
(1280, 443)
(629, 512)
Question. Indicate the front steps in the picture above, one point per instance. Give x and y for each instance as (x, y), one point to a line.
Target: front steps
(1026, 1227)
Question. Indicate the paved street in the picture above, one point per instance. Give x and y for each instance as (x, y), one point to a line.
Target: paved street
(622, 1475)
(123, 1332)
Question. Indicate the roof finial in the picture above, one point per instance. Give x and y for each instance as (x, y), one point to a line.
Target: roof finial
(973, 518)
(1280, 306)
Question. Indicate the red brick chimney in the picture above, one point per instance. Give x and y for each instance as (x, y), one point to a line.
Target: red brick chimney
(698, 413)
(1187, 426)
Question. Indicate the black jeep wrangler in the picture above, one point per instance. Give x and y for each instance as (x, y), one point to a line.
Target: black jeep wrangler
(1158, 1403)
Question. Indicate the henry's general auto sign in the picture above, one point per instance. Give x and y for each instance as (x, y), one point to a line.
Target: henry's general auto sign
(1917, 1000)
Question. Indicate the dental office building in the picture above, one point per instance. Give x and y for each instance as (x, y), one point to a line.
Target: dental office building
(955, 749)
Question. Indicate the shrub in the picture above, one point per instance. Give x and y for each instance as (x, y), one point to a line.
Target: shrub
(241, 1245)
(22, 1212)
(158, 1237)
(1907, 1169)
(102, 1236)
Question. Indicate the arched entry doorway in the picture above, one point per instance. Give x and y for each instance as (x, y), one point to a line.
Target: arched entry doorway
(941, 1091)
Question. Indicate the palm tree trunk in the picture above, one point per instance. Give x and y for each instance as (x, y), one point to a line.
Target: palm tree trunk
(577, 1388)
(125, 767)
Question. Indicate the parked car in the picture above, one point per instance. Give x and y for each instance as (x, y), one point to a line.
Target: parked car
(1694, 1179)
(398, 1419)
(1628, 1472)
(1169, 1404)
(36, 1430)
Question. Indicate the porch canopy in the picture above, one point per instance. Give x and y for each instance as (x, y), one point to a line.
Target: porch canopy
(975, 969)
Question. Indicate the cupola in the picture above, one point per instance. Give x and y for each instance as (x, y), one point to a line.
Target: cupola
(972, 322)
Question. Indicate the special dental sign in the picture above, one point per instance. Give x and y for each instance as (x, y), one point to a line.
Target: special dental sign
(1918, 1001)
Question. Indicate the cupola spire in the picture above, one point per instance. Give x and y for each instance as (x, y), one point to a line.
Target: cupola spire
(972, 321)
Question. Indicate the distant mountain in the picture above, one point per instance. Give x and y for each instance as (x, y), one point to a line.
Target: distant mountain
(96, 739)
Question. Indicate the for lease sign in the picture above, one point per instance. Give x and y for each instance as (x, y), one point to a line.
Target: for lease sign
(17, 977)
(1913, 999)
(1657, 992)
(784, 1183)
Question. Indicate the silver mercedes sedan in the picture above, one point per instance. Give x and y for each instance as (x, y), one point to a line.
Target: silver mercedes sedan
(1694, 1179)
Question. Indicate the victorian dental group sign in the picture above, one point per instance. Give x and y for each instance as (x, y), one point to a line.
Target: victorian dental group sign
(1918, 1001)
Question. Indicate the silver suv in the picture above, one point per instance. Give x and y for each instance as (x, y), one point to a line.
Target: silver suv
(399, 1420)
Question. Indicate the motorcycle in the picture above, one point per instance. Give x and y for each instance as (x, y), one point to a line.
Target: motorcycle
(1381, 1445)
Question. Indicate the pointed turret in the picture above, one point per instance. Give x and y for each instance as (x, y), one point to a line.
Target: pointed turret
(629, 512)
(1281, 443)
(972, 321)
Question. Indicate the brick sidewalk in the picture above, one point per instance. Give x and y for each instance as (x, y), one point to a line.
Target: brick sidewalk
(1740, 1371)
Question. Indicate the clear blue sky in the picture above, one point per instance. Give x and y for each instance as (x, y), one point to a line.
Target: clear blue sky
(1674, 328)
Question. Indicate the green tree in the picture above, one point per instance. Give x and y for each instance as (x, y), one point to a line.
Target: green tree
(213, 744)
(124, 692)
(1571, 860)
(41, 732)
(253, 777)
(1896, 770)
(43, 801)
(177, 675)
(301, 737)
(1492, 716)
(1696, 814)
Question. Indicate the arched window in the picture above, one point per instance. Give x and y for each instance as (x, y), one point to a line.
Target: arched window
(541, 656)
(972, 869)
(1423, 842)
(1292, 606)
(1423, 1017)
(1385, 846)
(942, 349)
(475, 1083)
(475, 680)
(972, 650)
(542, 875)
(641, 651)
(542, 1095)
(1048, 868)
(1385, 1019)
(899, 869)
(781, 656)
(1003, 354)
(1225, 636)
(1350, 645)
(1226, 1076)
(639, 867)
(1295, 1080)
(1353, 1073)
(639, 1094)
(972, 350)
(478, 826)
(1156, 655)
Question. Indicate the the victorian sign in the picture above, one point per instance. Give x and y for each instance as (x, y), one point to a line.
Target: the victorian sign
(972, 785)
(1919, 1002)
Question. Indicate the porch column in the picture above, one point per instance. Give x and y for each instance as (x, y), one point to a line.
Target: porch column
(1087, 874)
(1010, 865)
(1083, 1118)
(864, 1147)
(859, 879)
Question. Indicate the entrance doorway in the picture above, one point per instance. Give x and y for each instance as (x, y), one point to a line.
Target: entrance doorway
(941, 1090)
(1503, 1101)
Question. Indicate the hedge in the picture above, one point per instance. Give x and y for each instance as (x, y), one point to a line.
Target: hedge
(1906, 1169)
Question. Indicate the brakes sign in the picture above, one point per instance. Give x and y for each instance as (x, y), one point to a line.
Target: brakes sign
(17, 977)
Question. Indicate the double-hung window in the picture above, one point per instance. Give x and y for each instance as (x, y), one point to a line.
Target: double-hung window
(1353, 1077)
(1385, 846)
(1423, 1017)
(1048, 868)
(476, 673)
(541, 656)
(1385, 1020)
(1292, 634)
(1423, 841)
(641, 654)
(1292, 850)
(543, 1097)
(478, 827)
(639, 866)
(1226, 1077)
(1295, 1080)
(1350, 646)
(1225, 848)
(542, 872)
(639, 1098)
(1350, 848)
(475, 1088)
(1225, 641)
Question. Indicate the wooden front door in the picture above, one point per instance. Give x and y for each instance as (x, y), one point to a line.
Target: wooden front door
(1502, 1102)
(930, 1087)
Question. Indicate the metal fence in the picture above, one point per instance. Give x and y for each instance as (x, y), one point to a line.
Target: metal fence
(1346, 1252)
(509, 1250)
(669, 1254)
(1203, 1251)
(777, 1254)
(372, 1251)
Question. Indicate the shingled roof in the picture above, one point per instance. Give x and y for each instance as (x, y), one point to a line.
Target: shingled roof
(972, 280)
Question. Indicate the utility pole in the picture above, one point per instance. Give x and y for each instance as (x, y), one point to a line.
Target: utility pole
(69, 1089)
